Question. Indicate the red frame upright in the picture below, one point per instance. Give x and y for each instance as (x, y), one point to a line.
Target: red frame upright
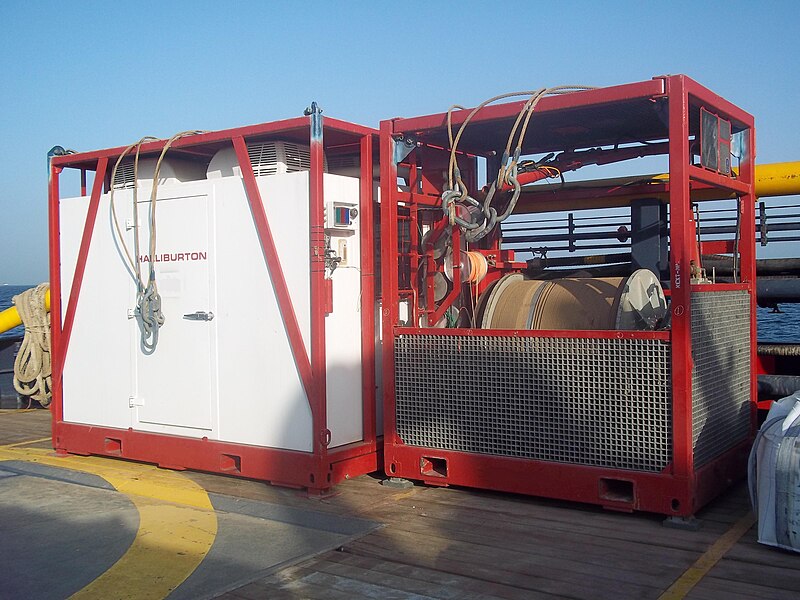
(681, 489)
(318, 470)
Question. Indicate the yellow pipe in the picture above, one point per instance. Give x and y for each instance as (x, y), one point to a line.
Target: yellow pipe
(778, 179)
(9, 318)
(773, 179)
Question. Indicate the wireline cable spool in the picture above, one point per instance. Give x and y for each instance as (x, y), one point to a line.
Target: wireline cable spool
(600, 303)
(474, 266)
(580, 377)
(477, 265)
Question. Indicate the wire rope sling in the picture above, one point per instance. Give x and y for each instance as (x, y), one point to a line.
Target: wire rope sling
(483, 214)
(148, 300)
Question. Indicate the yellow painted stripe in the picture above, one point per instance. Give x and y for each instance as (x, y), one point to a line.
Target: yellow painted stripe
(27, 443)
(171, 542)
(177, 524)
(710, 557)
(407, 494)
(127, 477)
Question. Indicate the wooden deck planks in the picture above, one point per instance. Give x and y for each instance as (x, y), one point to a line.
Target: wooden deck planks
(570, 513)
(593, 528)
(23, 425)
(439, 584)
(553, 575)
(749, 550)
(715, 588)
(545, 545)
(289, 584)
(746, 572)
(447, 544)
(360, 572)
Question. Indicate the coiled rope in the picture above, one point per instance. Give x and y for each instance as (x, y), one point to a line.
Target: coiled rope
(32, 367)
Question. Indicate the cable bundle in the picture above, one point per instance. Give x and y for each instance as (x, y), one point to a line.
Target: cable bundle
(148, 300)
(507, 173)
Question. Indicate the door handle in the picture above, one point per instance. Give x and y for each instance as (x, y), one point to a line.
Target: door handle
(199, 315)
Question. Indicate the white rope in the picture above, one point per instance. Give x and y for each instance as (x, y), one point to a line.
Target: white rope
(32, 369)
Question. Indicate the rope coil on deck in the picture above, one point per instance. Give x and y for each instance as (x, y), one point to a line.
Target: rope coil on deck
(32, 367)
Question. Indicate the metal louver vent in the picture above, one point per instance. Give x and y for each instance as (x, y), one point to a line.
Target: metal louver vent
(297, 158)
(123, 178)
(271, 158)
(347, 160)
(264, 158)
(268, 157)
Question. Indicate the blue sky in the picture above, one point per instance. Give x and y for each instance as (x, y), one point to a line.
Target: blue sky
(89, 75)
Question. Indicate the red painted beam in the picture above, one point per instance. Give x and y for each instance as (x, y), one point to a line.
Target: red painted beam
(212, 137)
(275, 270)
(389, 275)
(80, 270)
(617, 93)
(367, 240)
(681, 243)
(724, 108)
(716, 247)
(719, 181)
(186, 142)
(316, 214)
(54, 234)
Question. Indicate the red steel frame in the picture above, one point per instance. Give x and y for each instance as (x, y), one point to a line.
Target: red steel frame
(681, 489)
(318, 470)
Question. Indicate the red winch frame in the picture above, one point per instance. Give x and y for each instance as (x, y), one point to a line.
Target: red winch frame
(681, 488)
(317, 470)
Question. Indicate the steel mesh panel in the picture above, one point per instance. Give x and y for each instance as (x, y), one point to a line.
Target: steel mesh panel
(600, 402)
(721, 372)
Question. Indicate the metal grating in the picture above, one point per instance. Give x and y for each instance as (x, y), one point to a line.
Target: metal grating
(721, 374)
(600, 402)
